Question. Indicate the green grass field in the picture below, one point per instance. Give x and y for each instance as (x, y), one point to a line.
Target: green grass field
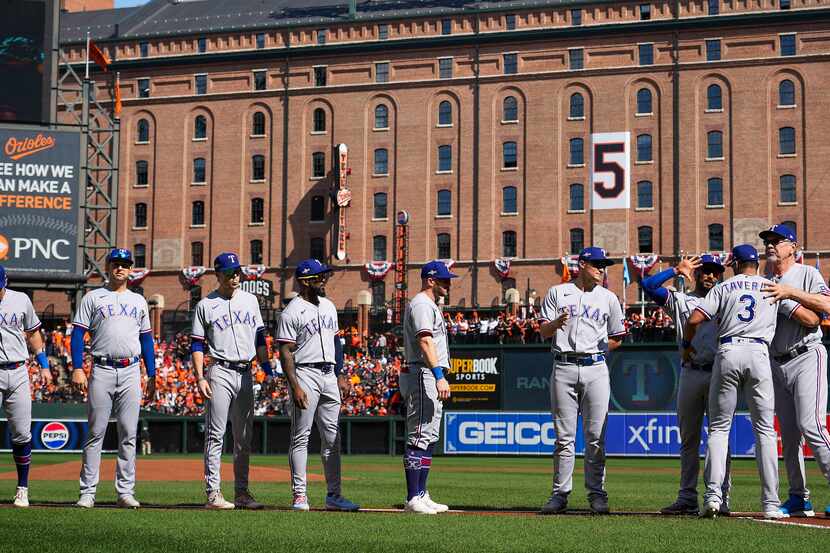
(634, 485)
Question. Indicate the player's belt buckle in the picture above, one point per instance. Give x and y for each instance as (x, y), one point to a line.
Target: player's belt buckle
(239, 367)
(583, 360)
(792, 354)
(116, 362)
(10, 366)
(740, 340)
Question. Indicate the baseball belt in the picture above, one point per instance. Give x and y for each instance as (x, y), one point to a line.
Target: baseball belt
(238, 366)
(583, 359)
(325, 368)
(705, 367)
(10, 366)
(739, 340)
(114, 362)
(792, 354)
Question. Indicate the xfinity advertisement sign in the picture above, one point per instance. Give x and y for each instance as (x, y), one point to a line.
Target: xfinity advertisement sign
(40, 197)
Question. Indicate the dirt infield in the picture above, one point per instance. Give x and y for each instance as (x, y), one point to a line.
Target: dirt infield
(156, 470)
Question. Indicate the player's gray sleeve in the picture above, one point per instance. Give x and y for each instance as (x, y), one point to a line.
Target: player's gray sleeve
(423, 318)
(198, 321)
(815, 283)
(616, 320)
(287, 331)
(710, 305)
(83, 316)
(787, 308)
(31, 320)
(549, 310)
(671, 306)
(145, 321)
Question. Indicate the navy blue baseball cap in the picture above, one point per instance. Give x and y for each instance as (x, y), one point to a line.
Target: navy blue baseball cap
(120, 254)
(437, 269)
(226, 261)
(595, 255)
(744, 252)
(4, 280)
(311, 268)
(712, 261)
(778, 231)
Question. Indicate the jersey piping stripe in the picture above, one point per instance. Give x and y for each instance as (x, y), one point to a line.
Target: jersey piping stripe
(797, 306)
(821, 395)
(194, 337)
(80, 325)
(287, 340)
(705, 314)
(37, 326)
(623, 333)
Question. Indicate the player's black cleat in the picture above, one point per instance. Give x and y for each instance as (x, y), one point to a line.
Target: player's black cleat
(556, 504)
(679, 508)
(599, 505)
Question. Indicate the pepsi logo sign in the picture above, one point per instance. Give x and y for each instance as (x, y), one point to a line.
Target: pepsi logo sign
(54, 435)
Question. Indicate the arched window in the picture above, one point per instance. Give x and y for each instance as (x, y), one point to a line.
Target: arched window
(508, 200)
(645, 241)
(577, 156)
(645, 197)
(510, 109)
(644, 147)
(379, 248)
(258, 124)
(643, 101)
(318, 164)
(716, 237)
(443, 246)
(319, 120)
(714, 97)
(445, 158)
(509, 155)
(318, 208)
(257, 210)
(380, 205)
(577, 236)
(381, 161)
(197, 213)
(786, 93)
(140, 255)
(200, 128)
(508, 243)
(714, 144)
(577, 107)
(143, 131)
(786, 141)
(445, 113)
(140, 215)
(258, 167)
(714, 192)
(577, 197)
(317, 248)
(142, 177)
(381, 117)
(444, 204)
(199, 171)
(256, 252)
(786, 187)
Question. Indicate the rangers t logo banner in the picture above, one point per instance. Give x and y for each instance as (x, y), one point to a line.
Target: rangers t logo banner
(610, 170)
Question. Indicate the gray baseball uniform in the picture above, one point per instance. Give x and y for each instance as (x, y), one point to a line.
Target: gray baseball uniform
(693, 393)
(799, 371)
(417, 383)
(17, 317)
(228, 326)
(746, 325)
(115, 320)
(580, 381)
(312, 329)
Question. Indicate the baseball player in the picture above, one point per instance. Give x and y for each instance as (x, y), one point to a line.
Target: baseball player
(799, 367)
(695, 374)
(119, 323)
(422, 383)
(312, 360)
(586, 322)
(19, 326)
(746, 325)
(228, 328)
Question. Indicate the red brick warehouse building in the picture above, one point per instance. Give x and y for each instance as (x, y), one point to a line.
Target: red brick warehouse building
(475, 117)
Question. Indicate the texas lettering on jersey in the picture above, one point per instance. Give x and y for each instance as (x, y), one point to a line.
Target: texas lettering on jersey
(12, 320)
(313, 327)
(239, 317)
(585, 312)
(121, 310)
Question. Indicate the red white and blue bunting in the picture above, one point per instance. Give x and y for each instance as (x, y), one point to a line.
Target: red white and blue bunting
(137, 276)
(376, 270)
(644, 263)
(192, 274)
(502, 267)
(253, 272)
(572, 263)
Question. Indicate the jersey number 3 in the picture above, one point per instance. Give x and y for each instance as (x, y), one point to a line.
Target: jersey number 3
(749, 309)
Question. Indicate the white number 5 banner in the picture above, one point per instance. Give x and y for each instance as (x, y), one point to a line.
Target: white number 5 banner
(610, 170)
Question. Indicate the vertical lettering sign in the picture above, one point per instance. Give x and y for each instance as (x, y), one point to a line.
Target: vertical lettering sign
(610, 170)
(40, 193)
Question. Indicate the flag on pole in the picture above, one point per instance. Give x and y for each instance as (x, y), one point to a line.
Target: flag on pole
(117, 102)
(95, 54)
(626, 274)
(566, 274)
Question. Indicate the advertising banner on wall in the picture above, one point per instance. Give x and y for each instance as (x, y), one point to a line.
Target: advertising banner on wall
(41, 188)
(475, 380)
(59, 436)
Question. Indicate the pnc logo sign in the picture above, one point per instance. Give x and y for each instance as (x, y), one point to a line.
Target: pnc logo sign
(18, 148)
(34, 248)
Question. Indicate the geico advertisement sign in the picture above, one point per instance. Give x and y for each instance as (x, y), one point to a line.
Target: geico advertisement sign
(17, 247)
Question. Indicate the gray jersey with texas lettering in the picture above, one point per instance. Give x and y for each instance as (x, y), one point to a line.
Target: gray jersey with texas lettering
(228, 325)
(312, 328)
(594, 317)
(741, 309)
(115, 319)
(705, 343)
(790, 334)
(423, 316)
(17, 317)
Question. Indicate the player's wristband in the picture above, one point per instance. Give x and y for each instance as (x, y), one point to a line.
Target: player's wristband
(437, 372)
(42, 360)
(686, 344)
